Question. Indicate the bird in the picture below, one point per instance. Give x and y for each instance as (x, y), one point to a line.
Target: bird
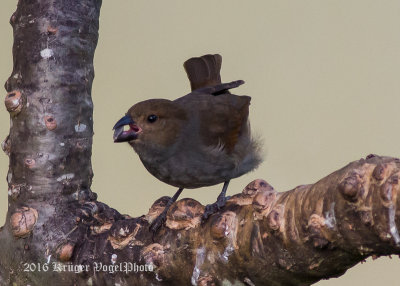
(200, 139)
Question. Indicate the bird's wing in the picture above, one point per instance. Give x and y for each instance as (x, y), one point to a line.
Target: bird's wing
(223, 116)
(219, 88)
(223, 119)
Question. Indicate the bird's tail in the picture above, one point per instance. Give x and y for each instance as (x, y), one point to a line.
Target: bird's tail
(203, 71)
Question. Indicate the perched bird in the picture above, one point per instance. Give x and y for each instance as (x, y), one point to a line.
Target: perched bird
(200, 139)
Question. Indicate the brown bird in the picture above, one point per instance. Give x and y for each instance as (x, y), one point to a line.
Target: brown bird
(200, 139)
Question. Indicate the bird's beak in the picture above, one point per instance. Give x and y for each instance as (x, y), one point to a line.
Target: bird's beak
(123, 136)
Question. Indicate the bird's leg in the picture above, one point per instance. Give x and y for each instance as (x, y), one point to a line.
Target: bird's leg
(220, 203)
(159, 221)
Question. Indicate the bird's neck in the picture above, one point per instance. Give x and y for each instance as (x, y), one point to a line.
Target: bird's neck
(153, 153)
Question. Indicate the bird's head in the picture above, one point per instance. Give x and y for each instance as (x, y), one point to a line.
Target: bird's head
(151, 123)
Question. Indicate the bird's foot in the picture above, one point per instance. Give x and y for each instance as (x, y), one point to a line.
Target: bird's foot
(213, 208)
(158, 222)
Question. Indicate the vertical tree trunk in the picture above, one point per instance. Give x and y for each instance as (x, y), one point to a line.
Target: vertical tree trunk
(50, 140)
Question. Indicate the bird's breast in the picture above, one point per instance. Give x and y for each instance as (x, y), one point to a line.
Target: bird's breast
(194, 169)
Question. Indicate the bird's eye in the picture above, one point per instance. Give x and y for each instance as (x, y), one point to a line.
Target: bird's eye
(152, 118)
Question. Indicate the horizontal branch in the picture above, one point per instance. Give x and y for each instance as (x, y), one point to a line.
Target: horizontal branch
(261, 237)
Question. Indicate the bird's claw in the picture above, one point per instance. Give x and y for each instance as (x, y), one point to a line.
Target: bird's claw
(208, 211)
(157, 223)
(213, 208)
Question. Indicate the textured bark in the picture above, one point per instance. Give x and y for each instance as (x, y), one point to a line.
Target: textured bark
(261, 237)
(50, 140)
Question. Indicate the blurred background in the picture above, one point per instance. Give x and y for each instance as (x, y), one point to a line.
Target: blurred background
(323, 77)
